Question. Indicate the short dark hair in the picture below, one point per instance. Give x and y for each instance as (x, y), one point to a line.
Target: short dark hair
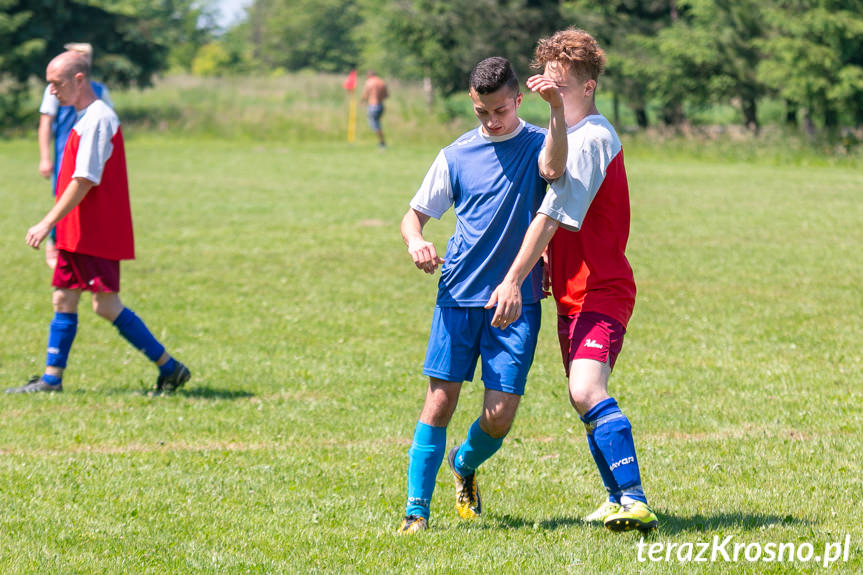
(492, 74)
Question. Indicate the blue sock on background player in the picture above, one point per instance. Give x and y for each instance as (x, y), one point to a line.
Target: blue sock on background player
(135, 331)
(476, 448)
(610, 436)
(426, 455)
(61, 334)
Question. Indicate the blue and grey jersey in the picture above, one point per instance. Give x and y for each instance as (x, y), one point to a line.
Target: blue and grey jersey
(494, 186)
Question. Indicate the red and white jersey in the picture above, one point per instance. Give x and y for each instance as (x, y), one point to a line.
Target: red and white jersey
(589, 269)
(101, 225)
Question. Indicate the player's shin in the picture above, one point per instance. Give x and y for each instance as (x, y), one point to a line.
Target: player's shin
(426, 455)
(61, 335)
(612, 435)
(476, 448)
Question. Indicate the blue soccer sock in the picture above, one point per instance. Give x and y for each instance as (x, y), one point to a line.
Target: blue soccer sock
(607, 477)
(64, 326)
(610, 440)
(476, 448)
(426, 455)
(135, 331)
(167, 368)
(52, 379)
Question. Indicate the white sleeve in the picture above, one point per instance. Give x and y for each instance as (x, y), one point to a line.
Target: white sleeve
(106, 97)
(94, 149)
(568, 198)
(434, 196)
(50, 105)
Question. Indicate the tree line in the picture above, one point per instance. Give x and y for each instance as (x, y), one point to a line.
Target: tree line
(665, 57)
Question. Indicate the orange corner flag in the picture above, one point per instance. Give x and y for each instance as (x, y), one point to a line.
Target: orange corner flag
(351, 81)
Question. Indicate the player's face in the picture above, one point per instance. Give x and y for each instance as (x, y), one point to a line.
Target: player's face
(570, 86)
(62, 85)
(497, 112)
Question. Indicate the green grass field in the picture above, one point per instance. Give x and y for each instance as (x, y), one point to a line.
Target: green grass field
(275, 270)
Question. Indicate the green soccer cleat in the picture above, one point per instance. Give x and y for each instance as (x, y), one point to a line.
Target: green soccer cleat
(598, 516)
(633, 516)
(467, 500)
(412, 524)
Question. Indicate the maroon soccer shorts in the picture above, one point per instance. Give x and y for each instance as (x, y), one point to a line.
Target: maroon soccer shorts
(589, 335)
(84, 272)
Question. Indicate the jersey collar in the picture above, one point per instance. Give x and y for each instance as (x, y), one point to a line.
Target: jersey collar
(505, 137)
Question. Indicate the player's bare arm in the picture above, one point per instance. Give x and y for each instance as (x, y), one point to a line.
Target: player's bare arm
(552, 159)
(422, 252)
(507, 296)
(75, 192)
(46, 166)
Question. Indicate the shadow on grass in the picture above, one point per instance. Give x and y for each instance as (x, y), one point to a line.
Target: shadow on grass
(206, 392)
(514, 522)
(668, 524)
(200, 392)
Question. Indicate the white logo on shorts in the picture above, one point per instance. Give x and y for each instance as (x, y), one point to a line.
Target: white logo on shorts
(592, 343)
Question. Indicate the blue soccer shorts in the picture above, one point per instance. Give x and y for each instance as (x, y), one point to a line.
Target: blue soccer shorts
(461, 335)
(374, 114)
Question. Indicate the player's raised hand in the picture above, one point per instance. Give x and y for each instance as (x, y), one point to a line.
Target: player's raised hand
(424, 255)
(546, 88)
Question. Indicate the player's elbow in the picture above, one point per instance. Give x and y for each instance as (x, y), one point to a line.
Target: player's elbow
(550, 172)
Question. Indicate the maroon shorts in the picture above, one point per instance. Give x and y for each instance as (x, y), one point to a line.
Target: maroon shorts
(91, 273)
(589, 335)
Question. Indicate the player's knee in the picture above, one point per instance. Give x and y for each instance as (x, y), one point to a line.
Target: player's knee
(438, 409)
(581, 399)
(497, 423)
(107, 308)
(64, 302)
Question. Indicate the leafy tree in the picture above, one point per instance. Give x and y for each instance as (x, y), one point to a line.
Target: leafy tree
(19, 54)
(627, 30)
(709, 55)
(814, 56)
(446, 38)
(131, 39)
(298, 34)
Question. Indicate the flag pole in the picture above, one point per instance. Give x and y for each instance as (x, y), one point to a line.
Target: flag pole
(352, 118)
(350, 84)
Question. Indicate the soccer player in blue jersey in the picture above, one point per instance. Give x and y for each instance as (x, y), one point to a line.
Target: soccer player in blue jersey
(494, 177)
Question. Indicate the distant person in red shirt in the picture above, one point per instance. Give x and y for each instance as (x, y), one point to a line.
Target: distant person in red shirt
(584, 222)
(94, 230)
(374, 94)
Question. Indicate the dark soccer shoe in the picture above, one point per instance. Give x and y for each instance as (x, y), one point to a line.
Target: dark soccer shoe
(35, 385)
(175, 380)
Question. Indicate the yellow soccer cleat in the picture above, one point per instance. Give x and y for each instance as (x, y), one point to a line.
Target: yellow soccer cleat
(607, 508)
(636, 515)
(412, 524)
(467, 500)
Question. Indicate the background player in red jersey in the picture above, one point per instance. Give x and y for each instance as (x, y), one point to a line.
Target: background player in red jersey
(94, 230)
(584, 221)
